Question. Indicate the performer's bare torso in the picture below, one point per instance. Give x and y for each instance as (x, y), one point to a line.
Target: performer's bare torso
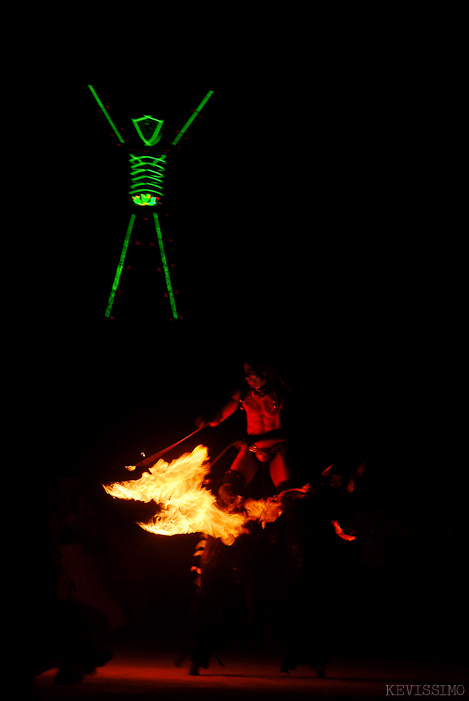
(262, 417)
(262, 414)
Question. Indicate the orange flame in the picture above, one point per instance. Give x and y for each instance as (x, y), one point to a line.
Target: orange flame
(185, 505)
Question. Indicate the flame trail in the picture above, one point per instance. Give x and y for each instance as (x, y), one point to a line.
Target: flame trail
(185, 506)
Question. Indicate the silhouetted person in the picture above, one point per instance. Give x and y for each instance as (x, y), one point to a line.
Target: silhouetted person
(68, 628)
(315, 525)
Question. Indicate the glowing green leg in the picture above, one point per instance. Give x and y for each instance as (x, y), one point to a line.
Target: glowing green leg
(120, 266)
(165, 267)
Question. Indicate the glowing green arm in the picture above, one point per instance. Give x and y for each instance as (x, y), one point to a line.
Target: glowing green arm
(192, 117)
(106, 114)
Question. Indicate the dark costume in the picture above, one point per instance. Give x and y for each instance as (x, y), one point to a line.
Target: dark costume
(316, 548)
(306, 619)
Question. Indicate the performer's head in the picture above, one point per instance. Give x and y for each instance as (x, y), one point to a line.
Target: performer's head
(255, 372)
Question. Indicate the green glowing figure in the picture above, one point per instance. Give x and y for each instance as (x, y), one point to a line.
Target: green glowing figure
(147, 166)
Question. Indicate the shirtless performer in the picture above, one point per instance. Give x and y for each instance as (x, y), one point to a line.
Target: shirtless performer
(260, 468)
(258, 471)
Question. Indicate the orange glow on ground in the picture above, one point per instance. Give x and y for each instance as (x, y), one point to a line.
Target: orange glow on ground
(143, 675)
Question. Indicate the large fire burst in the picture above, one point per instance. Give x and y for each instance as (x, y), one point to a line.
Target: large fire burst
(185, 505)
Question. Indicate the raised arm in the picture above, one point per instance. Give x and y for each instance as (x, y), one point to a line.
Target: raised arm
(226, 410)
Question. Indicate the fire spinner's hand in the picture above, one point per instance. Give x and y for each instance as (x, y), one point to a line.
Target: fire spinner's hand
(290, 495)
(246, 442)
(341, 534)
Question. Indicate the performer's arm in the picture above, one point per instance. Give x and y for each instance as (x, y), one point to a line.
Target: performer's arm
(265, 440)
(227, 410)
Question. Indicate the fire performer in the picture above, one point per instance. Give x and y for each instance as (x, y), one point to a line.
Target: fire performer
(260, 468)
(243, 574)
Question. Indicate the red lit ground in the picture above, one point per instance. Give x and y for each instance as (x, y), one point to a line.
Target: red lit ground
(138, 673)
